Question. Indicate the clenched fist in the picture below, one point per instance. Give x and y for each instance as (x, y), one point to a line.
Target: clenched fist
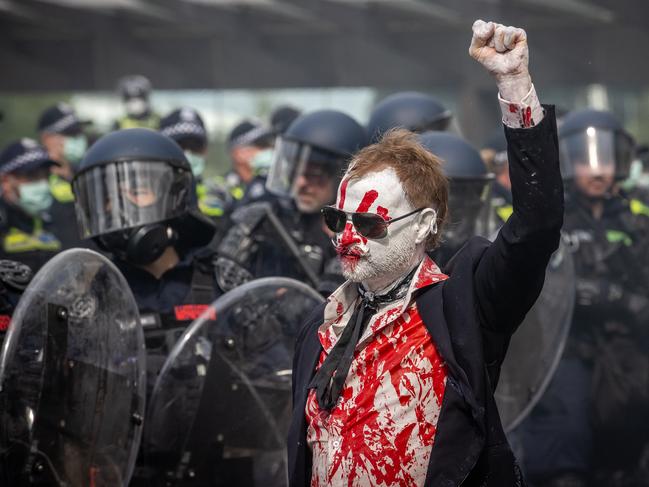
(502, 50)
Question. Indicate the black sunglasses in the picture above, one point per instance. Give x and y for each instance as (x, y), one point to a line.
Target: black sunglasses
(369, 225)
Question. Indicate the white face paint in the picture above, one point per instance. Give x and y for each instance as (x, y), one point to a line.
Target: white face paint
(377, 262)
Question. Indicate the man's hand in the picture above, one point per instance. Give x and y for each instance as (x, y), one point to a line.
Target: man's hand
(503, 52)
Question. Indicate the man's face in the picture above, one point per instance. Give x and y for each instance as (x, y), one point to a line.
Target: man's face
(242, 161)
(53, 143)
(11, 183)
(365, 259)
(314, 188)
(594, 183)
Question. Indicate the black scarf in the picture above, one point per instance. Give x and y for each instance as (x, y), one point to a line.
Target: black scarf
(330, 378)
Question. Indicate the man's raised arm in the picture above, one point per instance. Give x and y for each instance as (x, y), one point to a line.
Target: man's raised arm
(510, 274)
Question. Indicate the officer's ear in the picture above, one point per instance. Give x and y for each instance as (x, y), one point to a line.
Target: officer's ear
(425, 225)
(8, 187)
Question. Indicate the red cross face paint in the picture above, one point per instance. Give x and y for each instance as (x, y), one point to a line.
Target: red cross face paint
(364, 259)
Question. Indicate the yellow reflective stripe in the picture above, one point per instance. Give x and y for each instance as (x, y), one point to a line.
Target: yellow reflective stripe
(18, 241)
(504, 212)
(237, 192)
(204, 202)
(209, 210)
(638, 207)
(616, 236)
(61, 190)
(131, 123)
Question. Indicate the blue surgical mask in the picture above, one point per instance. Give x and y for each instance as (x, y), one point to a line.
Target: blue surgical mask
(74, 148)
(262, 161)
(197, 162)
(35, 197)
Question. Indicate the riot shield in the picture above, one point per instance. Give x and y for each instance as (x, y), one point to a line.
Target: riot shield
(220, 409)
(536, 347)
(72, 378)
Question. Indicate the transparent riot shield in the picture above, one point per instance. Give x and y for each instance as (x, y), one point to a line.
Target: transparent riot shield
(536, 347)
(220, 409)
(72, 378)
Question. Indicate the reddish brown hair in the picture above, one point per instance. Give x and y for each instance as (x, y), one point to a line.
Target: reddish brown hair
(419, 171)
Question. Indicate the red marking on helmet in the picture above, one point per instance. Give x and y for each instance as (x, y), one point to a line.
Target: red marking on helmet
(343, 193)
(368, 199)
(187, 312)
(383, 213)
(5, 321)
(513, 108)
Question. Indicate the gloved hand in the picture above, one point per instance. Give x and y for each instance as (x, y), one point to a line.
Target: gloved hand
(503, 51)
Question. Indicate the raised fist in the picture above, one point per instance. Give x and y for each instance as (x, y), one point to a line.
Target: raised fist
(502, 50)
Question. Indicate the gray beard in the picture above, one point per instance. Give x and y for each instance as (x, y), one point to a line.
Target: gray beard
(388, 267)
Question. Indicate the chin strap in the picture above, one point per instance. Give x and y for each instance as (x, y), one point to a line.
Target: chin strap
(330, 378)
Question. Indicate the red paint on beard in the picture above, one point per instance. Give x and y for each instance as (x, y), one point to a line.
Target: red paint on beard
(343, 193)
(366, 202)
(383, 213)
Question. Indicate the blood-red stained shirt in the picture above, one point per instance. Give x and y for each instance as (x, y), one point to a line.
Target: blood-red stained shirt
(382, 429)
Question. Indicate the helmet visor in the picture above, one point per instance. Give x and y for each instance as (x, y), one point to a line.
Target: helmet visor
(293, 160)
(128, 194)
(596, 152)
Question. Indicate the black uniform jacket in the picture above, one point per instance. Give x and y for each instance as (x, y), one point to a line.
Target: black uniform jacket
(471, 317)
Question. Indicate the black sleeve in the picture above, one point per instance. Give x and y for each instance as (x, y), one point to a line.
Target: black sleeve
(510, 274)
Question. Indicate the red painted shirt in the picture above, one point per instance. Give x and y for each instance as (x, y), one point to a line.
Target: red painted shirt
(381, 431)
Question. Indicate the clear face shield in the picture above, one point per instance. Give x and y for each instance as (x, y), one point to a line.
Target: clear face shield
(596, 153)
(468, 210)
(294, 163)
(128, 194)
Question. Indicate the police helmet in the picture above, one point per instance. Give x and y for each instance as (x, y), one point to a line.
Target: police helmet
(134, 86)
(594, 142)
(469, 184)
(414, 111)
(324, 139)
(134, 194)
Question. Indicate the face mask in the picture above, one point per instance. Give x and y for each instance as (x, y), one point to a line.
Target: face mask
(197, 162)
(136, 106)
(74, 148)
(35, 197)
(262, 161)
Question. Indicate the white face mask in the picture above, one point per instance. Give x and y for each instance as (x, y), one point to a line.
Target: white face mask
(388, 258)
(136, 106)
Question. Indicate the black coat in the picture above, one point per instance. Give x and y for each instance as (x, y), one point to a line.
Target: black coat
(471, 317)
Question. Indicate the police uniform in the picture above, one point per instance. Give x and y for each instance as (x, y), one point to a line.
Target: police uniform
(271, 236)
(14, 278)
(31, 239)
(590, 426)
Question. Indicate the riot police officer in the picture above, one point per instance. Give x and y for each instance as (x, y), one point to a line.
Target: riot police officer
(468, 190)
(590, 428)
(285, 235)
(27, 231)
(494, 154)
(135, 91)
(133, 194)
(411, 110)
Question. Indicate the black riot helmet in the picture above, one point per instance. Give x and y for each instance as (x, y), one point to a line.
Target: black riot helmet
(134, 196)
(594, 142)
(469, 184)
(411, 110)
(324, 139)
